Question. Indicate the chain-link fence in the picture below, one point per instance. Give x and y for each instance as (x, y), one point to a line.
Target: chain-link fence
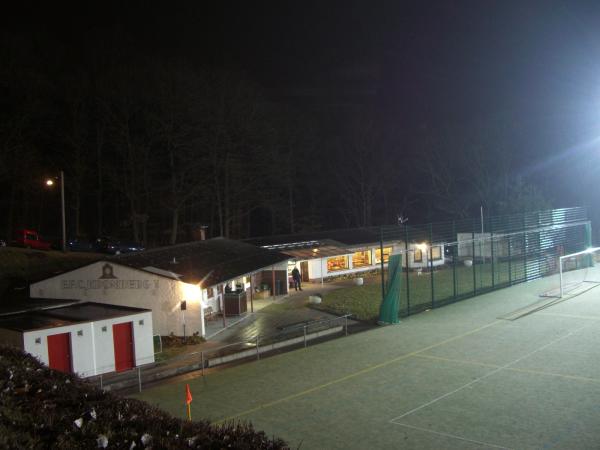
(450, 261)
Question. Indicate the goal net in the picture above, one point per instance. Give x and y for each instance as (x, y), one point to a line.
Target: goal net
(579, 271)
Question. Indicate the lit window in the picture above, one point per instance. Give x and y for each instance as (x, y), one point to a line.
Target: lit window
(361, 259)
(418, 255)
(436, 253)
(337, 263)
(387, 251)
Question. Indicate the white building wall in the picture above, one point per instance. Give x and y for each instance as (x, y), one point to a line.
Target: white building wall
(104, 341)
(93, 353)
(318, 266)
(82, 349)
(130, 287)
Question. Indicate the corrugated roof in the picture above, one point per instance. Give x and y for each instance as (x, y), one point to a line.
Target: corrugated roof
(349, 236)
(212, 261)
(311, 249)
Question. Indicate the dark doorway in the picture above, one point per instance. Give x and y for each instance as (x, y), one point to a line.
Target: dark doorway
(123, 342)
(59, 352)
(304, 270)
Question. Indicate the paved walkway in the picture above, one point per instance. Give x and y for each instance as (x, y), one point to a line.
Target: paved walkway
(270, 315)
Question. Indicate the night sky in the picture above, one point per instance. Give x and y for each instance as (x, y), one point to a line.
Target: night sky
(523, 73)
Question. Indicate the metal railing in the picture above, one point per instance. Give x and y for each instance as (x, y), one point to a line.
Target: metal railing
(293, 336)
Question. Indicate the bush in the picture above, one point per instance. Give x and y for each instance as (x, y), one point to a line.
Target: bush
(43, 408)
(179, 341)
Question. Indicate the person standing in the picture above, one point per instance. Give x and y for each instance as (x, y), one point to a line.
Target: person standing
(297, 279)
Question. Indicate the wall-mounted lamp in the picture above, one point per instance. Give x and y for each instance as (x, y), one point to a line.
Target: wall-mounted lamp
(104, 329)
(80, 333)
(38, 340)
(141, 322)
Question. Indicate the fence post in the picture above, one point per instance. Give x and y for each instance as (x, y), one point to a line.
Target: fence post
(202, 361)
(304, 336)
(509, 263)
(431, 264)
(346, 324)
(492, 250)
(524, 248)
(257, 349)
(139, 378)
(473, 250)
(101, 385)
(454, 256)
(381, 258)
(407, 270)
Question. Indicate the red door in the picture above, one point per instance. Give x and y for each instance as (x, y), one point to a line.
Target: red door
(59, 352)
(123, 342)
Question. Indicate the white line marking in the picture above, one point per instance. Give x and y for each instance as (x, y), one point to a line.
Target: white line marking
(453, 436)
(489, 374)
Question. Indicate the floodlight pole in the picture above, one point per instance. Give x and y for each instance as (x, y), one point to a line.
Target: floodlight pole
(62, 201)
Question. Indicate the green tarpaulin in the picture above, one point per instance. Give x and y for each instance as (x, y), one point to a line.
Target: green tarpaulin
(388, 312)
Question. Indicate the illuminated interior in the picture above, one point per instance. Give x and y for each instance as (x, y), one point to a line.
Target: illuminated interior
(337, 263)
(361, 259)
(387, 251)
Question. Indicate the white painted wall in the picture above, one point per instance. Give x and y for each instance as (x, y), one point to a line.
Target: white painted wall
(104, 341)
(424, 263)
(318, 266)
(131, 287)
(92, 353)
(82, 350)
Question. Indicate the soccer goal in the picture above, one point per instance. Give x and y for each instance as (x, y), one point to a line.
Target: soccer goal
(579, 271)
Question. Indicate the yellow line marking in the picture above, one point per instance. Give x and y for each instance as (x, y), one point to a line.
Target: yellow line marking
(571, 316)
(514, 369)
(355, 374)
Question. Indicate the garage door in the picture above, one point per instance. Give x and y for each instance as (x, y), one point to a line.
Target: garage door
(123, 342)
(59, 352)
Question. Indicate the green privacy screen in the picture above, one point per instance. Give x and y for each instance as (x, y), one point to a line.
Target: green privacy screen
(390, 305)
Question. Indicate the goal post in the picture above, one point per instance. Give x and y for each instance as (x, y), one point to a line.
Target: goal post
(578, 268)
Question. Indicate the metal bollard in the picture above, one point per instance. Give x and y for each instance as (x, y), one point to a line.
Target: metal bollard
(202, 362)
(101, 385)
(304, 336)
(257, 349)
(140, 378)
(346, 325)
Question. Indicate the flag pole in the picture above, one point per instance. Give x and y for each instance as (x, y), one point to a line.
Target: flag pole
(189, 412)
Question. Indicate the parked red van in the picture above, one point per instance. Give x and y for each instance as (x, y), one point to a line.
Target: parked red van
(30, 239)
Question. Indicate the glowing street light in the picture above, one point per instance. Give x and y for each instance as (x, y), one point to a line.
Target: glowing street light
(50, 183)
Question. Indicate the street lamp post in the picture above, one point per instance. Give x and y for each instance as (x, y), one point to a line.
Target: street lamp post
(50, 182)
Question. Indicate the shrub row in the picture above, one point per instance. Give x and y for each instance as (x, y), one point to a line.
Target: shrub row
(43, 408)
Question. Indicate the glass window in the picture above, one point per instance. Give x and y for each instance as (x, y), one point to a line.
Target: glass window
(337, 263)
(387, 251)
(436, 253)
(361, 259)
(418, 255)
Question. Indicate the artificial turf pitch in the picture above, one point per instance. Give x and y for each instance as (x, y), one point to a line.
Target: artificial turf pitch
(456, 377)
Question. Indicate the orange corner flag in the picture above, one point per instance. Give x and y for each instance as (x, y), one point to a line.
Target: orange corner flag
(188, 400)
(188, 394)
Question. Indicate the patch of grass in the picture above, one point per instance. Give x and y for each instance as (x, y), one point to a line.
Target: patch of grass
(419, 291)
(361, 301)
